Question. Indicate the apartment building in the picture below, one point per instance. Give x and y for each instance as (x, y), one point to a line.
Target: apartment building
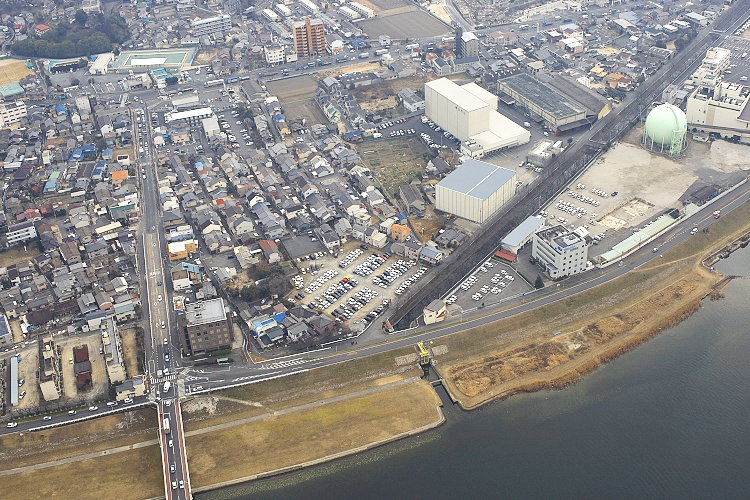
(50, 378)
(310, 37)
(12, 113)
(217, 25)
(20, 233)
(113, 352)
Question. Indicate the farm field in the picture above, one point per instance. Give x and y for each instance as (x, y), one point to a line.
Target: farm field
(394, 161)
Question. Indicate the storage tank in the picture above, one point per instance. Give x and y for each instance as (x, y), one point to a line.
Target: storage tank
(665, 130)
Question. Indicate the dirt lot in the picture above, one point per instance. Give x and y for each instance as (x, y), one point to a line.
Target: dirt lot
(13, 70)
(290, 90)
(508, 357)
(307, 109)
(311, 434)
(130, 351)
(394, 161)
(17, 255)
(98, 369)
(384, 5)
(415, 24)
(27, 370)
(428, 226)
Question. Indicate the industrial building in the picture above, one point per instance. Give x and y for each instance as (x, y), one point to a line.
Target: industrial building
(542, 102)
(715, 105)
(12, 113)
(217, 25)
(310, 37)
(475, 190)
(205, 326)
(469, 112)
(561, 252)
(101, 63)
(192, 117)
(522, 234)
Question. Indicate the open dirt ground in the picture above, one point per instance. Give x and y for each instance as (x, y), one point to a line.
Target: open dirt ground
(511, 356)
(293, 89)
(402, 25)
(99, 378)
(130, 351)
(17, 255)
(13, 70)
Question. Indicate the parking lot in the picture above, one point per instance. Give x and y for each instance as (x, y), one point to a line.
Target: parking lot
(490, 283)
(357, 285)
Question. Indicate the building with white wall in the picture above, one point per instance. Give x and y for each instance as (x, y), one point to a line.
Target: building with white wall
(560, 251)
(362, 9)
(475, 190)
(217, 25)
(274, 54)
(12, 113)
(20, 233)
(469, 112)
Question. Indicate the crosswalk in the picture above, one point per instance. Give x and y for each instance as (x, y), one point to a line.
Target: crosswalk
(284, 364)
(167, 378)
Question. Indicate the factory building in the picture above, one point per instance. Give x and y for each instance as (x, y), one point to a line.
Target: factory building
(310, 37)
(475, 190)
(469, 112)
(715, 105)
(217, 25)
(561, 252)
(543, 103)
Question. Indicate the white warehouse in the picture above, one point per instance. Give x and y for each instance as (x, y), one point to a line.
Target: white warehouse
(469, 112)
(475, 190)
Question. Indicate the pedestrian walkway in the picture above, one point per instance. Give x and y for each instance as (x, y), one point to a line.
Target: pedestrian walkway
(284, 364)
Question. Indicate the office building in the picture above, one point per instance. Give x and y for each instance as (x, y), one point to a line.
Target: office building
(205, 326)
(475, 190)
(217, 25)
(561, 252)
(469, 112)
(12, 113)
(310, 38)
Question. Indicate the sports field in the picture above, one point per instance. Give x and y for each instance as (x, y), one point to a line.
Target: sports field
(12, 71)
(178, 58)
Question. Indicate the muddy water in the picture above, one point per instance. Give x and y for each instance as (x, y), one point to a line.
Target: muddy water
(667, 420)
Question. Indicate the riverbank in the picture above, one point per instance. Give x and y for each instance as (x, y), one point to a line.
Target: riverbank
(310, 434)
(557, 345)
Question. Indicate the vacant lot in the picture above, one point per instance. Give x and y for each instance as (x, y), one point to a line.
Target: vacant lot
(131, 351)
(307, 109)
(130, 475)
(13, 70)
(394, 161)
(415, 24)
(290, 90)
(17, 255)
(311, 434)
(99, 377)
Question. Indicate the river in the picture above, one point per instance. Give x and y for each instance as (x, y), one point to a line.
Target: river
(669, 419)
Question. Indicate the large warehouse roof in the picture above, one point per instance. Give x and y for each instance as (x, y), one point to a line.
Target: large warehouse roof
(542, 95)
(477, 179)
(456, 94)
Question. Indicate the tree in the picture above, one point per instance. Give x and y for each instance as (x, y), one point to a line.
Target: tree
(570, 141)
(81, 17)
(539, 283)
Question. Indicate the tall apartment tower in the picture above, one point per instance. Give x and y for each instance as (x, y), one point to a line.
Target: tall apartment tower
(469, 44)
(310, 37)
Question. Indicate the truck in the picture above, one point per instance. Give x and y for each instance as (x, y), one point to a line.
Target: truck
(165, 425)
(380, 52)
(167, 386)
(364, 55)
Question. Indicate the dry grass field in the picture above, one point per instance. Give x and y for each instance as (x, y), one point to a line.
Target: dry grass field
(13, 70)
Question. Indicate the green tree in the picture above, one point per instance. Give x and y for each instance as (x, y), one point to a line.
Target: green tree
(81, 17)
(539, 283)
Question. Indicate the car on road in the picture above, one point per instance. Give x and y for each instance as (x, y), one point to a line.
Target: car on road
(160, 298)
(694, 230)
(182, 484)
(171, 468)
(166, 340)
(111, 403)
(12, 424)
(72, 412)
(93, 408)
(127, 400)
(166, 358)
(171, 443)
(158, 282)
(163, 324)
(174, 485)
(46, 417)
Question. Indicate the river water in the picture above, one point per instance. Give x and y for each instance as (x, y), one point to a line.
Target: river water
(669, 419)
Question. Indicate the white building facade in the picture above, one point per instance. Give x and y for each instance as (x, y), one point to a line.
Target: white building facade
(12, 113)
(475, 190)
(212, 25)
(560, 252)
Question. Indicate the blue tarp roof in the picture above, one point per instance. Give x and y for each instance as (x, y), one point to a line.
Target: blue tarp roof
(279, 317)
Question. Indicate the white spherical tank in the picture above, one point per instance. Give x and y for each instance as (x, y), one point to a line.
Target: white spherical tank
(665, 130)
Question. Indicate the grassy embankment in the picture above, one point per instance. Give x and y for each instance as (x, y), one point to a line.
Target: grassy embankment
(108, 476)
(521, 354)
